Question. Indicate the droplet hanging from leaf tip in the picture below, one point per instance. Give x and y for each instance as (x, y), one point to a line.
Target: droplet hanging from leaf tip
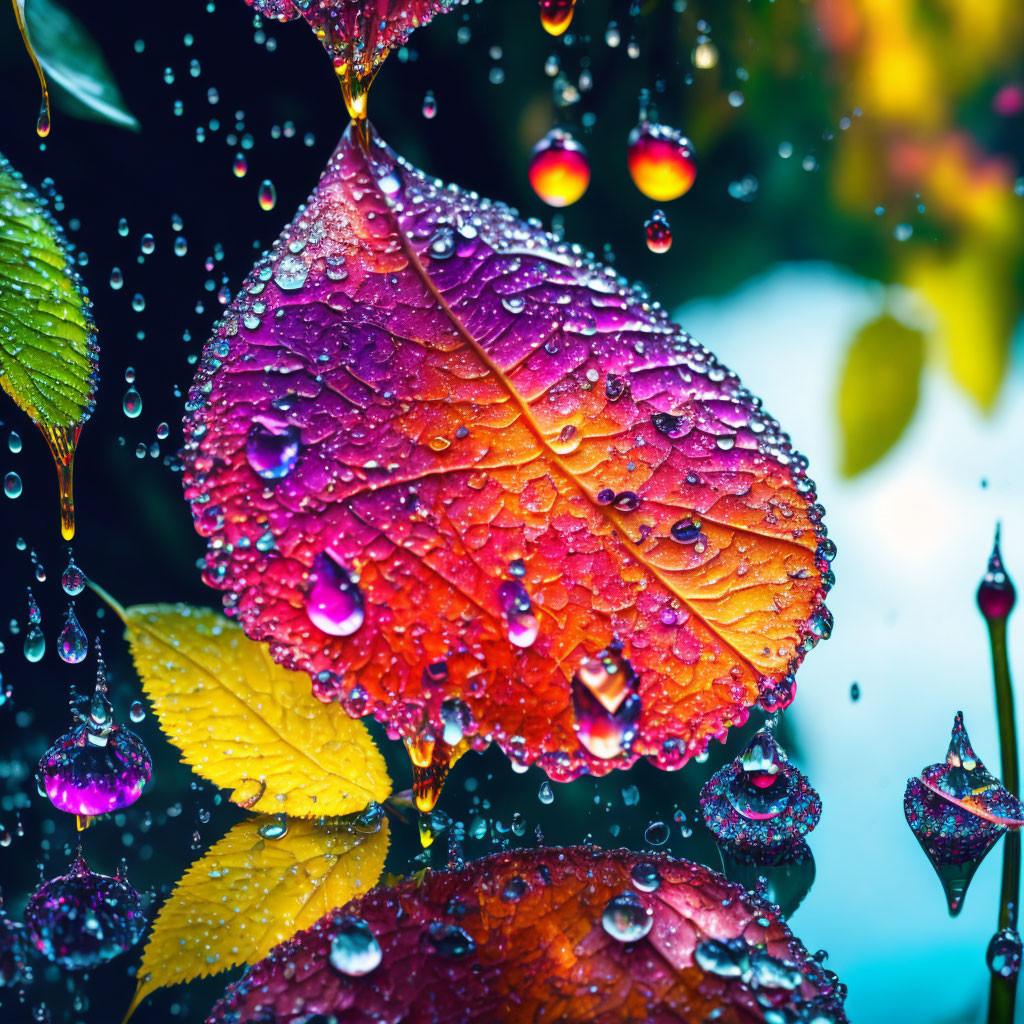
(431, 760)
(43, 121)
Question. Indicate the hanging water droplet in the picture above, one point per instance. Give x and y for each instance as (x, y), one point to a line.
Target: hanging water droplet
(354, 948)
(267, 195)
(606, 703)
(626, 919)
(333, 602)
(72, 644)
(546, 794)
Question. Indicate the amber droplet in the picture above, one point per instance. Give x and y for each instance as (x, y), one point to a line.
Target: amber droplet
(83, 821)
(43, 122)
(355, 91)
(62, 442)
(556, 15)
(432, 760)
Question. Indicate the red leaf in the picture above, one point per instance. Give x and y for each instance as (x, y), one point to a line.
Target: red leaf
(518, 937)
(424, 423)
(358, 33)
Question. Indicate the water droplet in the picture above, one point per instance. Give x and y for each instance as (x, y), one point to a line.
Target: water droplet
(240, 166)
(272, 448)
(517, 610)
(661, 161)
(276, 829)
(333, 602)
(429, 106)
(546, 794)
(686, 531)
(116, 278)
(12, 485)
(854, 692)
(559, 169)
(656, 833)
(996, 594)
(267, 195)
(626, 919)
(659, 234)
(137, 712)
(606, 703)
(645, 876)
(132, 403)
(556, 15)
(354, 948)
(72, 644)
(1004, 953)
(448, 940)
(515, 889)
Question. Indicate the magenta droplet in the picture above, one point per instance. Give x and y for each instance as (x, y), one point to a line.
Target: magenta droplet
(606, 704)
(518, 611)
(333, 603)
(996, 594)
(272, 449)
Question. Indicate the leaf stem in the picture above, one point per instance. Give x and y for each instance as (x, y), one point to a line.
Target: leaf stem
(115, 605)
(1003, 990)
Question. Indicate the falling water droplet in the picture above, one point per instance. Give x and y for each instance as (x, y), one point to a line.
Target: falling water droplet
(267, 195)
(429, 106)
(72, 580)
(354, 948)
(626, 919)
(35, 640)
(72, 644)
(559, 169)
(132, 403)
(137, 712)
(240, 166)
(556, 15)
(659, 234)
(12, 485)
(116, 278)
(546, 795)
(661, 161)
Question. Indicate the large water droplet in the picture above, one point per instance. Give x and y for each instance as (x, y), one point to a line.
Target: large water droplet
(449, 940)
(559, 169)
(606, 703)
(1004, 953)
(626, 919)
(272, 448)
(556, 15)
(355, 950)
(517, 609)
(72, 644)
(333, 602)
(72, 580)
(267, 195)
(996, 594)
(661, 161)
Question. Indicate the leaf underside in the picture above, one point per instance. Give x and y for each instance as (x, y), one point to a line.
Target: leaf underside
(248, 893)
(468, 390)
(540, 953)
(48, 351)
(247, 724)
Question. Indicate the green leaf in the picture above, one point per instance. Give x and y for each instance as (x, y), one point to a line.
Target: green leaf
(48, 350)
(878, 390)
(73, 61)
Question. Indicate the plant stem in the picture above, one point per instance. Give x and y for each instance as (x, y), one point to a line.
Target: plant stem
(1003, 991)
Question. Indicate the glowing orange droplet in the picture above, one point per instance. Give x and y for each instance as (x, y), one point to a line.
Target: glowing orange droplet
(432, 760)
(661, 161)
(556, 15)
(267, 195)
(62, 441)
(659, 234)
(559, 169)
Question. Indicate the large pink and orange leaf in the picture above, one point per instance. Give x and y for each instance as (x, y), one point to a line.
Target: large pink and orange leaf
(358, 34)
(530, 937)
(480, 460)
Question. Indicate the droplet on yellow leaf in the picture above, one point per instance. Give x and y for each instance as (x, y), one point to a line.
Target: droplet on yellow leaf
(250, 892)
(247, 724)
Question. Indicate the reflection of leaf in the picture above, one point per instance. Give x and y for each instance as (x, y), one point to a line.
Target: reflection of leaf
(74, 62)
(473, 407)
(878, 390)
(247, 724)
(972, 297)
(359, 32)
(526, 943)
(247, 893)
(48, 350)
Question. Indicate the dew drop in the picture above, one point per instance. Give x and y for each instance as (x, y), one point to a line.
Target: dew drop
(333, 602)
(626, 919)
(272, 448)
(355, 950)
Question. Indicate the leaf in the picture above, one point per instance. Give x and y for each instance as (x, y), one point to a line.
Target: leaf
(73, 61)
(525, 942)
(48, 349)
(420, 405)
(971, 292)
(878, 390)
(247, 724)
(358, 34)
(247, 893)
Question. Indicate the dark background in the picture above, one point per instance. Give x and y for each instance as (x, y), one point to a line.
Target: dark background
(134, 530)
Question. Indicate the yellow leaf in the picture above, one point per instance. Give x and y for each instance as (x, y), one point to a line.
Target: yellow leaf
(246, 723)
(248, 893)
